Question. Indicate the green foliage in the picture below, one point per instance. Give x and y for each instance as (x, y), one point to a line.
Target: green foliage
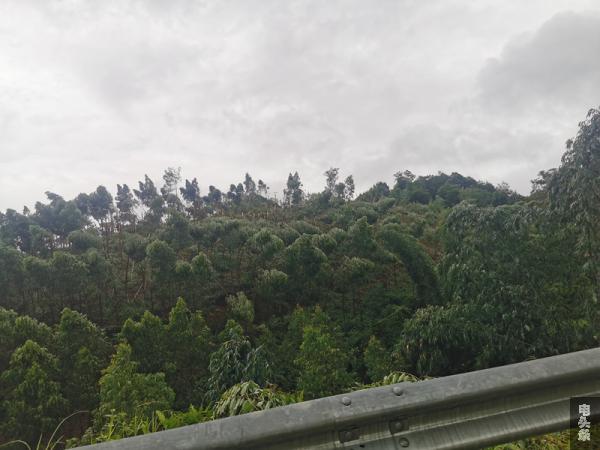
(323, 365)
(235, 361)
(418, 264)
(378, 360)
(82, 350)
(202, 267)
(15, 330)
(440, 274)
(493, 274)
(31, 396)
(81, 241)
(442, 340)
(241, 309)
(248, 396)
(125, 390)
(575, 193)
(178, 348)
(161, 257)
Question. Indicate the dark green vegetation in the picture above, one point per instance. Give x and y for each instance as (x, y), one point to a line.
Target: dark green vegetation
(162, 307)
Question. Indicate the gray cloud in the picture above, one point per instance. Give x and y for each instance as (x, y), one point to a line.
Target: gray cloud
(556, 66)
(103, 92)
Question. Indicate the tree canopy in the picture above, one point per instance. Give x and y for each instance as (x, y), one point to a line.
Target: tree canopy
(163, 306)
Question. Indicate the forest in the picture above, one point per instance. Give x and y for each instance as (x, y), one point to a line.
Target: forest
(162, 304)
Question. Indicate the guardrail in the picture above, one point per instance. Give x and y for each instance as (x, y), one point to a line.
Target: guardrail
(470, 410)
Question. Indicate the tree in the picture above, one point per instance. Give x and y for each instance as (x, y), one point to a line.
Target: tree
(403, 179)
(575, 192)
(32, 401)
(177, 231)
(349, 188)
(124, 389)
(100, 203)
(11, 273)
(249, 185)
(147, 192)
(331, 177)
(241, 308)
(147, 342)
(202, 267)
(171, 177)
(235, 193)
(191, 195)
(305, 264)
(293, 193)
(126, 204)
(161, 261)
(69, 276)
(214, 198)
(83, 351)
(191, 191)
(378, 360)
(248, 396)
(263, 189)
(188, 341)
(450, 193)
(375, 193)
(235, 361)
(265, 245)
(443, 340)
(178, 348)
(323, 365)
(16, 330)
(418, 264)
(511, 271)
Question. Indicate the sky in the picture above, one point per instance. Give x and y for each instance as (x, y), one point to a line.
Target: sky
(99, 93)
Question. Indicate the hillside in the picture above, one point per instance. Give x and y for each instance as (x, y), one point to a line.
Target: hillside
(206, 304)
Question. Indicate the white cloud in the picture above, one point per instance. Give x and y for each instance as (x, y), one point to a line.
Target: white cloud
(103, 92)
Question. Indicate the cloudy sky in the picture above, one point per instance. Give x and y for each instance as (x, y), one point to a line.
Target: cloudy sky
(103, 92)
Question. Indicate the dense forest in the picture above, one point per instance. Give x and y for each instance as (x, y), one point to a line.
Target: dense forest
(157, 306)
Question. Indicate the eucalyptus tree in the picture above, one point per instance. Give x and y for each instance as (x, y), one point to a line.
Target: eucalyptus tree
(293, 193)
(575, 192)
(82, 350)
(124, 389)
(126, 204)
(249, 185)
(32, 402)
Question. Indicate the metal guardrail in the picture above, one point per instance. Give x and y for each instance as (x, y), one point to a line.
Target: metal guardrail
(471, 410)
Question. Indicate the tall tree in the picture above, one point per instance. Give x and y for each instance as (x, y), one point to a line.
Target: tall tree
(349, 188)
(32, 400)
(147, 192)
(83, 351)
(323, 365)
(126, 204)
(293, 193)
(331, 179)
(124, 389)
(100, 203)
(235, 361)
(575, 192)
(263, 189)
(249, 185)
(171, 177)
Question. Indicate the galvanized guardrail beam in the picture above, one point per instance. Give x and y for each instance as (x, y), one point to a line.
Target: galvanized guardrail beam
(470, 410)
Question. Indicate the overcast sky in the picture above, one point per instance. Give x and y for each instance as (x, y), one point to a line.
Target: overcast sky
(102, 92)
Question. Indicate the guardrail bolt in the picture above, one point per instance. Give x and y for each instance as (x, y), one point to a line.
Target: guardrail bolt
(397, 390)
(398, 425)
(346, 401)
(349, 435)
(403, 442)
